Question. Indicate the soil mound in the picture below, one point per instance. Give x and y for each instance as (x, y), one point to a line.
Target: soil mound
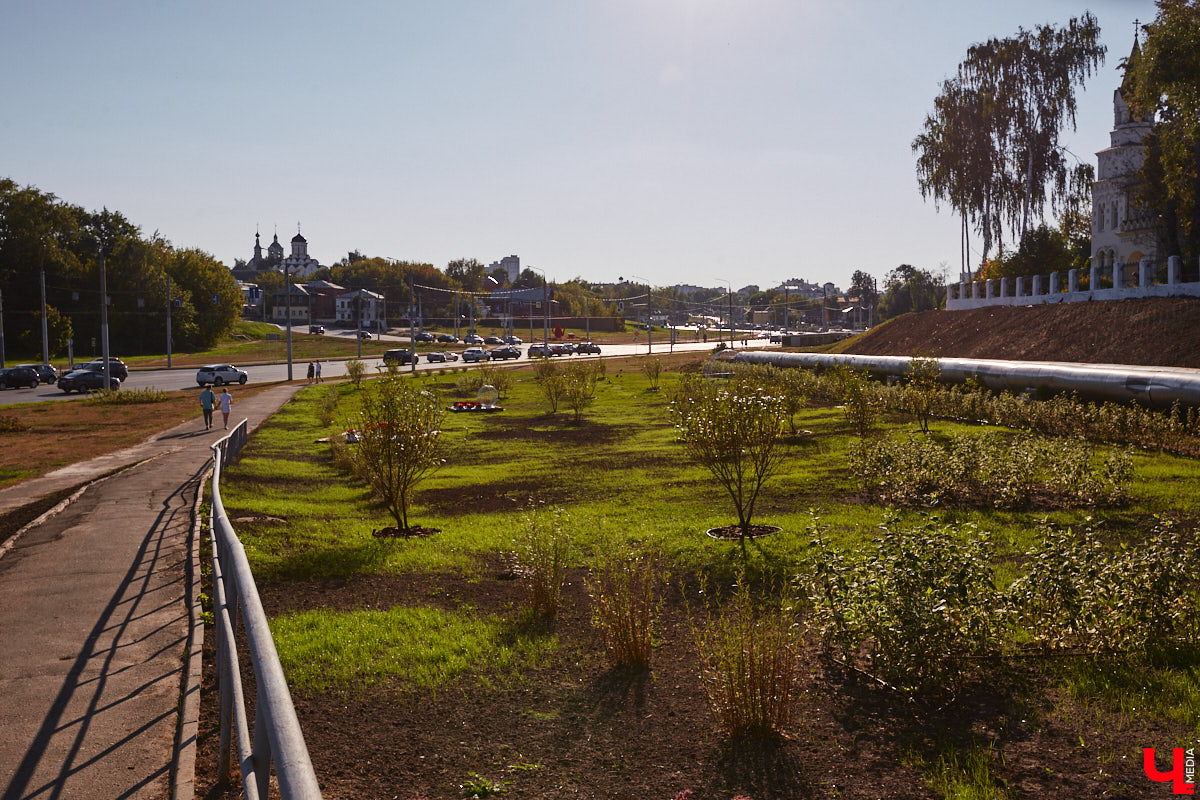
(1160, 332)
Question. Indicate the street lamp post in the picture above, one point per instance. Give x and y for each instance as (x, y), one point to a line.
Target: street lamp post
(649, 318)
(287, 289)
(545, 308)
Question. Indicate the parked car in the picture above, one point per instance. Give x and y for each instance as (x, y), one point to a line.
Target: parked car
(505, 351)
(17, 377)
(364, 334)
(492, 340)
(402, 357)
(540, 351)
(435, 358)
(423, 336)
(316, 328)
(587, 347)
(86, 380)
(220, 374)
(116, 367)
(513, 340)
(561, 349)
(472, 338)
(475, 354)
(46, 372)
(447, 338)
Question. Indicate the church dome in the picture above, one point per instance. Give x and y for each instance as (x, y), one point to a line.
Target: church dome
(299, 238)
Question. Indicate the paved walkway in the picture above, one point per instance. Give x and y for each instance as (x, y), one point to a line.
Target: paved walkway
(94, 621)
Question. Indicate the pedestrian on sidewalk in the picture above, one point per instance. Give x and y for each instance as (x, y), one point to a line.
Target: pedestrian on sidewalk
(226, 400)
(207, 401)
(318, 366)
(310, 372)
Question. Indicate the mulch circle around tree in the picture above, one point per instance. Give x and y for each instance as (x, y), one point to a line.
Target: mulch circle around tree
(411, 532)
(732, 533)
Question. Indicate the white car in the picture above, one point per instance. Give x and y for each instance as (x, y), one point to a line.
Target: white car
(219, 375)
(476, 354)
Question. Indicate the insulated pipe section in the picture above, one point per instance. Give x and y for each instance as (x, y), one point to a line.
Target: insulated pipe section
(1155, 386)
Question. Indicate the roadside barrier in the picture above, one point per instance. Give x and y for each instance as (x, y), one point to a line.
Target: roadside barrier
(276, 733)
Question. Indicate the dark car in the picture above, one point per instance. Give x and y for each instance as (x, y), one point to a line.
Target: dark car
(513, 340)
(318, 329)
(423, 336)
(86, 380)
(587, 347)
(492, 340)
(401, 357)
(46, 372)
(561, 350)
(447, 338)
(364, 334)
(17, 377)
(116, 367)
(505, 351)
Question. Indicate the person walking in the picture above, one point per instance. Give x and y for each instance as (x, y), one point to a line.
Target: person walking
(310, 372)
(226, 401)
(318, 366)
(207, 401)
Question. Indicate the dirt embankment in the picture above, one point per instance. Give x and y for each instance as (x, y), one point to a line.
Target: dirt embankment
(1163, 332)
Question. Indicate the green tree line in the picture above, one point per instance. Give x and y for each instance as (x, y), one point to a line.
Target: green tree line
(39, 232)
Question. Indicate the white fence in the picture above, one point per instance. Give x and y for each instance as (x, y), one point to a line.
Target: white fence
(1039, 289)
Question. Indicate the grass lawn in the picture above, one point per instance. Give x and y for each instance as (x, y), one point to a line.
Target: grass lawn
(419, 670)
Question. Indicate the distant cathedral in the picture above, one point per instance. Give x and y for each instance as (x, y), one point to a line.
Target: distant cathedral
(1123, 232)
(298, 263)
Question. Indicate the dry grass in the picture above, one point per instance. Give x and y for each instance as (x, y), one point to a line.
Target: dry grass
(54, 433)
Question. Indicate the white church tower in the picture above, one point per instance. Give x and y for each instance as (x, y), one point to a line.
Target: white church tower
(1123, 233)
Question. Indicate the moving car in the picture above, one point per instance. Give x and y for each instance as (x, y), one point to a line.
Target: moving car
(513, 340)
(45, 372)
(587, 347)
(364, 334)
(86, 380)
(540, 351)
(116, 367)
(472, 338)
(475, 354)
(220, 374)
(17, 377)
(447, 338)
(403, 357)
(441, 357)
(316, 328)
(504, 352)
(423, 336)
(492, 340)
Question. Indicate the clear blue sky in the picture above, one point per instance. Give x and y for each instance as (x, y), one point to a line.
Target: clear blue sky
(683, 141)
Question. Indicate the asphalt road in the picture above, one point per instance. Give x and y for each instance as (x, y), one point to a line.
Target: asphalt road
(184, 378)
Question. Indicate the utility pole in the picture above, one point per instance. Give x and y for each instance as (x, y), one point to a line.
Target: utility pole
(1, 330)
(168, 322)
(287, 288)
(104, 318)
(45, 325)
(412, 333)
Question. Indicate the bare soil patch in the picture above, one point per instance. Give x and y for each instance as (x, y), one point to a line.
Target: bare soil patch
(578, 728)
(1163, 332)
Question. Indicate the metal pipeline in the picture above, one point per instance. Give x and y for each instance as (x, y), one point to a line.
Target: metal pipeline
(1154, 386)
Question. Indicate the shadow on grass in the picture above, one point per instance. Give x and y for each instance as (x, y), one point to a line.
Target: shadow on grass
(309, 565)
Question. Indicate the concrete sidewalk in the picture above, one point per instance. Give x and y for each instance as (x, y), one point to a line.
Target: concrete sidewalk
(95, 620)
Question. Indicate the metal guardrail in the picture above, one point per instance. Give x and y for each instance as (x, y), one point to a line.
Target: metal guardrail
(276, 734)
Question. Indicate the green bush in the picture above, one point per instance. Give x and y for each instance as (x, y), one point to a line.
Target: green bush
(355, 370)
(993, 470)
(920, 602)
(127, 397)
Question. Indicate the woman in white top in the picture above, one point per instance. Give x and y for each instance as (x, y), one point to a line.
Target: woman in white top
(226, 401)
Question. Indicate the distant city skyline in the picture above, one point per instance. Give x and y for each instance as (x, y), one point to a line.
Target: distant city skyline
(686, 141)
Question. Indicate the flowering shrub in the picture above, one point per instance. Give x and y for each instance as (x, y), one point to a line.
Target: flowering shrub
(733, 431)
